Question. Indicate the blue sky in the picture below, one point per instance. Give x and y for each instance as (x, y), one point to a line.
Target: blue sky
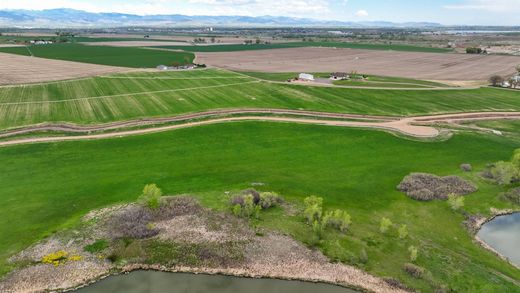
(480, 12)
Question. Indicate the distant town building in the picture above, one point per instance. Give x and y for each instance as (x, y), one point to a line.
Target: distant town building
(306, 77)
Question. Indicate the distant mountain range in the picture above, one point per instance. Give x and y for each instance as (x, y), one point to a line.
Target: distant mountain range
(54, 18)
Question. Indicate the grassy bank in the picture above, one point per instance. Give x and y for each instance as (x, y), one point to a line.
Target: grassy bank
(136, 95)
(241, 47)
(104, 55)
(46, 187)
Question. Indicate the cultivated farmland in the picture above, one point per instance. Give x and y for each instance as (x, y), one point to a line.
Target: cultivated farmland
(427, 66)
(254, 47)
(16, 69)
(103, 55)
(160, 94)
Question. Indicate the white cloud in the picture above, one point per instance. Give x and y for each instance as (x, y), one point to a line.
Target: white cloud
(362, 13)
(488, 5)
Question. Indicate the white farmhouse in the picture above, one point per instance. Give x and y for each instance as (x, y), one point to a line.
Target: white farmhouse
(306, 77)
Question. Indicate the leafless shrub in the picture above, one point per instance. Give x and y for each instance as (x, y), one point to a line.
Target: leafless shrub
(425, 187)
(466, 167)
(176, 206)
(137, 221)
(394, 283)
(413, 270)
(133, 222)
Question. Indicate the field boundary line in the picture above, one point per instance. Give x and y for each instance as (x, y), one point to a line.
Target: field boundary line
(125, 95)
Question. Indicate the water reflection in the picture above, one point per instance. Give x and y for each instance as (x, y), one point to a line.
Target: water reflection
(503, 234)
(160, 282)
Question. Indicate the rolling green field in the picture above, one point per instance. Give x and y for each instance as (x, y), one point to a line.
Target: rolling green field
(371, 80)
(241, 47)
(154, 94)
(104, 55)
(48, 187)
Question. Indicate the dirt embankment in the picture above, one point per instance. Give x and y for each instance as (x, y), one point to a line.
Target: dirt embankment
(220, 243)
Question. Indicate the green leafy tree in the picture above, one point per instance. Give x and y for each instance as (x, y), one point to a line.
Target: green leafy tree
(505, 173)
(456, 202)
(338, 219)
(403, 231)
(385, 225)
(313, 208)
(151, 196)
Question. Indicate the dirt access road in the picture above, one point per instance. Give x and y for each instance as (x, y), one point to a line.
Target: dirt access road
(418, 126)
(427, 66)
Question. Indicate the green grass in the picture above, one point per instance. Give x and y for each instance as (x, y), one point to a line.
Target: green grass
(512, 126)
(371, 80)
(47, 187)
(104, 55)
(102, 99)
(241, 47)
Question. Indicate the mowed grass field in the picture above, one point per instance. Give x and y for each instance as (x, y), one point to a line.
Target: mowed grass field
(241, 47)
(104, 55)
(48, 187)
(154, 94)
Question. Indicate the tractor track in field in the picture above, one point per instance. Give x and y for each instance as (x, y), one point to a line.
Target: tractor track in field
(415, 126)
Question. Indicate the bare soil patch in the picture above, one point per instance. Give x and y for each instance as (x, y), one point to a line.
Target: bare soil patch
(427, 66)
(17, 69)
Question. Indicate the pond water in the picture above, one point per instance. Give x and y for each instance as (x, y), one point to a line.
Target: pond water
(161, 282)
(503, 234)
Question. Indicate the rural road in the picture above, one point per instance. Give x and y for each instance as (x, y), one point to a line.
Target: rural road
(418, 126)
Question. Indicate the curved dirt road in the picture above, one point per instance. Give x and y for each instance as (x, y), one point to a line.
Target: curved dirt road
(418, 126)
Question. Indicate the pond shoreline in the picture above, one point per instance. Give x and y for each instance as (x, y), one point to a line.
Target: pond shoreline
(482, 243)
(209, 272)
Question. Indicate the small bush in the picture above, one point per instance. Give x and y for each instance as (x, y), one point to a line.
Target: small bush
(313, 209)
(363, 256)
(133, 223)
(97, 246)
(237, 210)
(512, 196)
(466, 167)
(403, 231)
(337, 219)
(413, 253)
(269, 199)
(413, 270)
(252, 192)
(151, 196)
(455, 202)
(318, 228)
(394, 283)
(385, 225)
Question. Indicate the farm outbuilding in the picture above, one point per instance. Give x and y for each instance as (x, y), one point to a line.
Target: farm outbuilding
(339, 76)
(306, 76)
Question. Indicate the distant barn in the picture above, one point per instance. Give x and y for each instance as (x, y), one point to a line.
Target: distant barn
(306, 77)
(339, 76)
